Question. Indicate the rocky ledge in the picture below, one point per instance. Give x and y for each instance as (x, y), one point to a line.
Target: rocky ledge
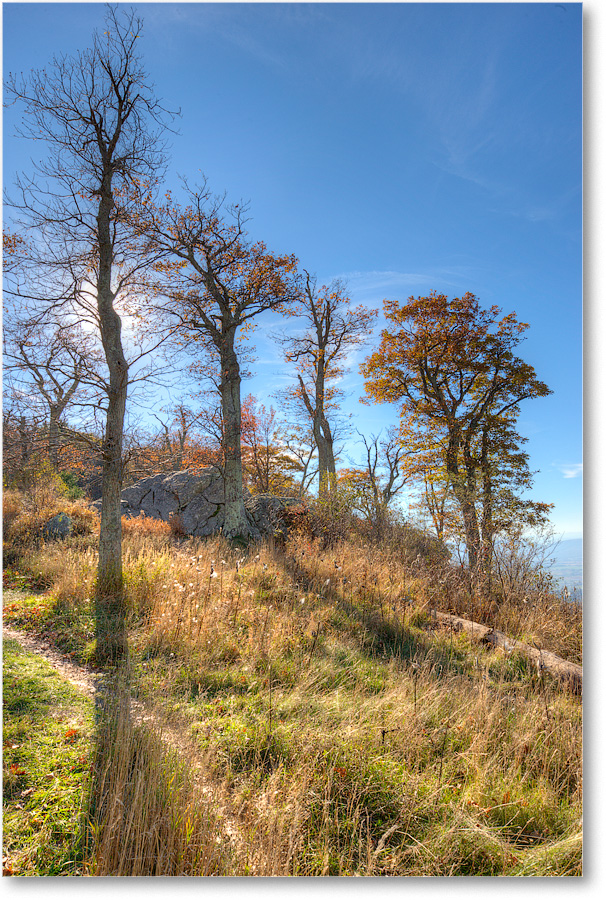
(197, 501)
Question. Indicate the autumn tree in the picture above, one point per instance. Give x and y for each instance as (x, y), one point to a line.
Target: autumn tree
(332, 328)
(100, 124)
(218, 281)
(452, 367)
(269, 465)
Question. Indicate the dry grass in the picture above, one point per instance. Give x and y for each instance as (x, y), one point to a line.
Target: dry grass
(145, 526)
(324, 703)
(145, 815)
(348, 734)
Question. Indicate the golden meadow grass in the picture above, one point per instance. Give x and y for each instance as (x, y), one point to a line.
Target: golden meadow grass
(343, 730)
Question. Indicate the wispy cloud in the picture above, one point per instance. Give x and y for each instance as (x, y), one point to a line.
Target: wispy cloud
(365, 287)
(574, 470)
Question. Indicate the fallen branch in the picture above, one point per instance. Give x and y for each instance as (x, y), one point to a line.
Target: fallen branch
(570, 674)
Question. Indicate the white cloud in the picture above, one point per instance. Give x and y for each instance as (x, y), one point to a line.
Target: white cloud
(574, 470)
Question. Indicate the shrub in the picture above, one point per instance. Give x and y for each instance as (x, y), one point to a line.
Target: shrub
(12, 506)
(85, 519)
(73, 489)
(42, 487)
(145, 525)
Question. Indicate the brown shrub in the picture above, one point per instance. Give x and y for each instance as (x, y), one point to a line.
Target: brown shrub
(145, 525)
(12, 506)
(85, 519)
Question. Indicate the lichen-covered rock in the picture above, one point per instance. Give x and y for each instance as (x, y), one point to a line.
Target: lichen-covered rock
(60, 526)
(197, 502)
(265, 510)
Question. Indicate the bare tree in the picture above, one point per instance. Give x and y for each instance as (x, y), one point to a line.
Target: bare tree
(101, 124)
(20, 432)
(380, 477)
(52, 368)
(331, 331)
(177, 427)
(383, 469)
(299, 443)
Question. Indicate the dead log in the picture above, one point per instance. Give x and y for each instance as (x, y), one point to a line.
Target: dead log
(569, 674)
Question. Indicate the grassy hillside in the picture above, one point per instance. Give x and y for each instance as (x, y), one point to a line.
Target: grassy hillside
(339, 729)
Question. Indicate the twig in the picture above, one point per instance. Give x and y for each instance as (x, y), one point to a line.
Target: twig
(385, 731)
(270, 698)
(383, 839)
(442, 753)
(313, 646)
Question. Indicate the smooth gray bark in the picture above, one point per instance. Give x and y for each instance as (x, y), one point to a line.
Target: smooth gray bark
(110, 603)
(236, 523)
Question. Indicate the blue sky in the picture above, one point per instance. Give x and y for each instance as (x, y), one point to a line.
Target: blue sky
(405, 147)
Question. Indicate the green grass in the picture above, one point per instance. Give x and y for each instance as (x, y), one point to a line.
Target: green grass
(69, 626)
(46, 758)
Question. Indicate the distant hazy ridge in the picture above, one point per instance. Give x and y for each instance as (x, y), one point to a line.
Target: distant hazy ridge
(568, 564)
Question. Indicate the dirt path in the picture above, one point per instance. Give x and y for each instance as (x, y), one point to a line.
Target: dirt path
(89, 681)
(83, 677)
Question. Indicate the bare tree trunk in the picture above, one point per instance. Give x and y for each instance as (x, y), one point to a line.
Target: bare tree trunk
(329, 453)
(569, 674)
(322, 434)
(24, 442)
(53, 438)
(323, 460)
(236, 524)
(110, 602)
(487, 514)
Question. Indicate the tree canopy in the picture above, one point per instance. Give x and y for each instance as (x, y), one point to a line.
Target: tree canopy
(452, 367)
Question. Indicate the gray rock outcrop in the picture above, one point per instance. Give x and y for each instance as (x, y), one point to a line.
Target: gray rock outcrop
(60, 526)
(197, 500)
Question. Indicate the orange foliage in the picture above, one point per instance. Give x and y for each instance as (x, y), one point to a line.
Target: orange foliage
(451, 366)
(145, 525)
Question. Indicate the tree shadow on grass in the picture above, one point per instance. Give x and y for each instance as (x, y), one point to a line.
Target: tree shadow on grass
(380, 636)
(146, 816)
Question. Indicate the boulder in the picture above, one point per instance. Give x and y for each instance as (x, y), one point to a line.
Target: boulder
(265, 509)
(60, 526)
(198, 502)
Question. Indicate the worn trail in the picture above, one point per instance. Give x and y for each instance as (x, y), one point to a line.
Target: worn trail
(91, 682)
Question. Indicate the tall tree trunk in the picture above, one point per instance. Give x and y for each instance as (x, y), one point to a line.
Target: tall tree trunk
(487, 513)
(236, 523)
(53, 437)
(24, 442)
(329, 453)
(465, 495)
(110, 602)
(323, 460)
(322, 434)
